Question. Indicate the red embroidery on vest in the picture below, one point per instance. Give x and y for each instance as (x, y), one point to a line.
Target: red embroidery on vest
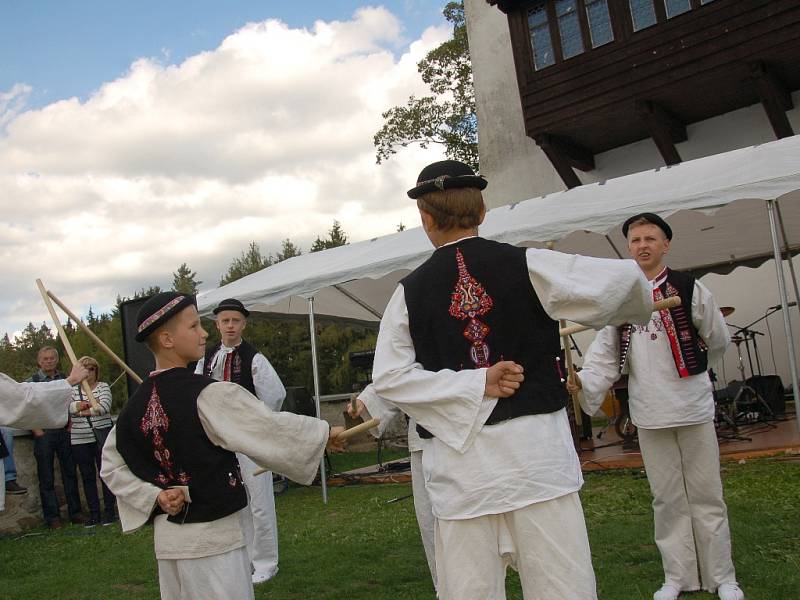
(155, 421)
(469, 300)
(672, 334)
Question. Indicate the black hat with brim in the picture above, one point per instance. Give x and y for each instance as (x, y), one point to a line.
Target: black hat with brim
(231, 304)
(444, 175)
(158, 310)
(650, 218)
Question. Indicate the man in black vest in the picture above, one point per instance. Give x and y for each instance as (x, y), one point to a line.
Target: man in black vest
(458, 333)
(172, 457)
(234, 359)
(672, 404)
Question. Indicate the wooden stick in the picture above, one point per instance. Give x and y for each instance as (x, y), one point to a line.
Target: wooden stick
(67, 346)
(347, 433)
(576, 405)
(133, 374)
(670, 302)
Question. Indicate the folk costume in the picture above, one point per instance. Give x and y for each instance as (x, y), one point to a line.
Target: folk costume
(671, 402)
(386, 412)
(32, 406)
(183, 430)
(502, 475)
(246, 366)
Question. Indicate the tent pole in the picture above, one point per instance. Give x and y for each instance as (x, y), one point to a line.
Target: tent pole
(315, 367)
(784, 303)
(788, 254)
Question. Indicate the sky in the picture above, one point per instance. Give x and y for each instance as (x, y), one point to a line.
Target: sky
(138, 136)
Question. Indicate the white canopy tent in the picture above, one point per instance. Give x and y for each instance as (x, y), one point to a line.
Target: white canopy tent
(726, 210)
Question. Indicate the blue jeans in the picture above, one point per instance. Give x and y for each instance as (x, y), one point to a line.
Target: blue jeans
(8, 461)
(87, 458)
(56, 442)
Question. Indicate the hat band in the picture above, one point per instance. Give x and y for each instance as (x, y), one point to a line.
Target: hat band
(160, 313)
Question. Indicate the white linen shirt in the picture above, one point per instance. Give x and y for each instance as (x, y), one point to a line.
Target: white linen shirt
(471, 469)
(657, 396)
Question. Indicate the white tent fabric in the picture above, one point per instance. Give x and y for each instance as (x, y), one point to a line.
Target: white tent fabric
(731, 228)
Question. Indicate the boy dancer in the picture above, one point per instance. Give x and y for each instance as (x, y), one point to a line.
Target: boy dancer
(234, 359)
(171, 457)
(672, 404)
(499, 462)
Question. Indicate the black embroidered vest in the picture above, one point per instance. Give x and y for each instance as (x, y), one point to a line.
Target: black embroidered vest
(161, 438)
(470, 305)
(689, 351)
(241, 364)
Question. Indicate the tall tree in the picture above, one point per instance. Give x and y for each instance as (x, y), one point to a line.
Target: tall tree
(248, 262)
(336, 237)
(185, 280)
(288, 250)
(446, 116)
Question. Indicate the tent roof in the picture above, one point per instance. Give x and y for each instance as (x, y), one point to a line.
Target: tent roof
(356, 281)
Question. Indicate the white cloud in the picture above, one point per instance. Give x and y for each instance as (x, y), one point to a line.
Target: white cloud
(266, 137)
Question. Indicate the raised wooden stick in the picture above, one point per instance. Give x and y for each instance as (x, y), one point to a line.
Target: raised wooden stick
(670, 302)
(576, 405)
(347, 433)
(134, 375)
(67, 346)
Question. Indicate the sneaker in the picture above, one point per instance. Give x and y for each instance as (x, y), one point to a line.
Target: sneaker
(667, 592)
(54, 524)
(12, 487)
(262, 576)
(91, 522)
(77, 519)
(109, 520)
(730, 591)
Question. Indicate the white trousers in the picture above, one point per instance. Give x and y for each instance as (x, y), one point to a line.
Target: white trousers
(691, 519)
(224, 575)
(546, 542)
(261, 531)
(424, 510)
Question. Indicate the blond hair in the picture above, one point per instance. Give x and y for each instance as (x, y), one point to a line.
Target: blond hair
(88, 361)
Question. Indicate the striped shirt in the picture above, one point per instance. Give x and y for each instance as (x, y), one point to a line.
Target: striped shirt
(81, 432)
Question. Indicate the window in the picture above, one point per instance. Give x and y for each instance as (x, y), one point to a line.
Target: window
(569, 27)
(643, 13)
(541, 43)
(600, 30)
(676, 7)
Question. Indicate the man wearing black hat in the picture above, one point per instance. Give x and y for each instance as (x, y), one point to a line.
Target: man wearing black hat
(171, 457)
(234, 359)
(469, 347)
(672, 404)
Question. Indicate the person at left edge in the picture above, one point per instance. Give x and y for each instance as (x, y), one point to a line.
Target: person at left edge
(234, 359)
(171, 458)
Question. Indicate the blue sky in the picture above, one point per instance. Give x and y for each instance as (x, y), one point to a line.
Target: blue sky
(66, 48)
(136, 136)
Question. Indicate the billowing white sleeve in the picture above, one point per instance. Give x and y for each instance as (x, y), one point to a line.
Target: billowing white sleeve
(269, 388)
(449, 404)
(590, 291)
(282, 442)
(710, 323)
(600, 369)
(34, 405)
(378, 408)
(136, 498)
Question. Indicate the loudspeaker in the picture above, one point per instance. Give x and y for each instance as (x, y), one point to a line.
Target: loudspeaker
(770, 388)
(299, 401)
(137, 356)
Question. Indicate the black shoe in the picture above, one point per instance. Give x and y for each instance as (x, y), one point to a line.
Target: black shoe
(109, 520)
(12, 487)
(92, 522)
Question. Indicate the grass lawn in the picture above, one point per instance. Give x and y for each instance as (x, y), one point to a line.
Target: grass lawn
(361, 547)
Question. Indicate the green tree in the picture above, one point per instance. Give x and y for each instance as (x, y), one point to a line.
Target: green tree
(185, 280)
(248, 262)
(288, 250)
(336, 237)
(446, 116)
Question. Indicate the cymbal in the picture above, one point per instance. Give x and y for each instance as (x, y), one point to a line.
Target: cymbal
(727, 310)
